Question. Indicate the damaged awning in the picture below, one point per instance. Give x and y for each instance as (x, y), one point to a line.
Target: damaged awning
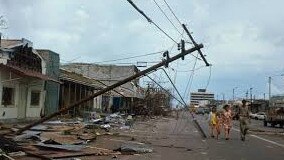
(28, 73)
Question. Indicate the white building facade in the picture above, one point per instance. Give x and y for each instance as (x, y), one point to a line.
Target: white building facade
(200, 98)
(22, 78)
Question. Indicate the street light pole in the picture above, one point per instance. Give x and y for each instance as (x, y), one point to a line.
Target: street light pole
(264, 96)
(234, 93)
(269, 88)
(250, 90)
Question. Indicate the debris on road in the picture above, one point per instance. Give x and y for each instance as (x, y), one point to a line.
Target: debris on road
(133, 148)
(69, 138)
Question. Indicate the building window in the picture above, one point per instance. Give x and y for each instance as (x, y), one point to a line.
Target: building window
(8, 96)
(35, 98)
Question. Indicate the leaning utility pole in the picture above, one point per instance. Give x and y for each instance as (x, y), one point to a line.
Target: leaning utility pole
(195, 44)
(113, 86)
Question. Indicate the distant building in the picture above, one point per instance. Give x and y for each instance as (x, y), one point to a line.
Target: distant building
(125, 95)
(75, 87)
(201, 97)
(259, 105)
(277, 101)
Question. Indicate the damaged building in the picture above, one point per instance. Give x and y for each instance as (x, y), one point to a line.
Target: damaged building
(23, 76)
(75, 87)
(33, 86)
(125, 97)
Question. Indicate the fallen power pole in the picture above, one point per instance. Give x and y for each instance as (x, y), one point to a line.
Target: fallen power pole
(111, 87)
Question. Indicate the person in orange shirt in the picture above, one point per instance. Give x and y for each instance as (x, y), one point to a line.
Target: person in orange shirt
(227, 121)
(219, 124)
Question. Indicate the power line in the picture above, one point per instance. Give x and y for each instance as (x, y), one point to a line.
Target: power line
(150, 20)
(189, 83)
(194, 120)
(183, 102)
(174, 86)
(119, 59)
(169, 94)
(172, 12)
(188, 87)
(167, 17)
(191, 70)
(209, 78)
(180, 101)
(158, 84)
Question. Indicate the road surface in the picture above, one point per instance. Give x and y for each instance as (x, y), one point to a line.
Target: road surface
(174, 139)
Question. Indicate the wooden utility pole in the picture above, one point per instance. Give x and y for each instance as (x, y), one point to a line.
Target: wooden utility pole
(195, 44)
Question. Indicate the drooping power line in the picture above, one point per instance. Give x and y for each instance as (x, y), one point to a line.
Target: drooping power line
(209, 78)
(132, 57)
(172, 12)
(167, 17)
(151, 21)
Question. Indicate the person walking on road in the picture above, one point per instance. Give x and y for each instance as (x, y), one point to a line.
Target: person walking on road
(213, 121)
(219, 124)
(244, 119)
(227, 121)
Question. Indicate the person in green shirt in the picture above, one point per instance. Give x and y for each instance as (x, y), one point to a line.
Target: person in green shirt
(244, 119)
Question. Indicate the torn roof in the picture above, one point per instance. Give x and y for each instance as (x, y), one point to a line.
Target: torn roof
(10, 47)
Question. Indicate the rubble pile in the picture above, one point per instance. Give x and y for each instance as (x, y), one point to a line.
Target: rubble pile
(65, 138)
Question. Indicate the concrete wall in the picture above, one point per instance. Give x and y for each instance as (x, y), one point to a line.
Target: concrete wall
(22, 96)
(34, 111)
(10, 111)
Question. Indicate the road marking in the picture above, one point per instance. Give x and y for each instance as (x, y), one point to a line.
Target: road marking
(266, 140)
(269, 146)
(272, 142)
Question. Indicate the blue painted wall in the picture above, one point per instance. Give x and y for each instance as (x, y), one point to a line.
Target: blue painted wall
(52, 88)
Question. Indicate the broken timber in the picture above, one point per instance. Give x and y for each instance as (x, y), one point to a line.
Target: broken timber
(111, 87)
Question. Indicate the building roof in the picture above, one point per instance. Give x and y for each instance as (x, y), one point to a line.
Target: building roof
(6, 43)
(45, 51)
(102, 71)
(79, 78)
(28, 73)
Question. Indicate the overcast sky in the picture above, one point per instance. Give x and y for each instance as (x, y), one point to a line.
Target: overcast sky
(244, 40)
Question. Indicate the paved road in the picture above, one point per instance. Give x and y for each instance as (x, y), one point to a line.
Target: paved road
(260, 147)
(173, 139)
(179, 140)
